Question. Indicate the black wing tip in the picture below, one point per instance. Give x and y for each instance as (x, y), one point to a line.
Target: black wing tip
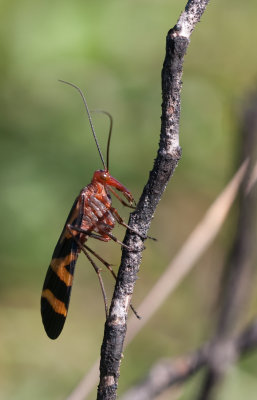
(53, 322)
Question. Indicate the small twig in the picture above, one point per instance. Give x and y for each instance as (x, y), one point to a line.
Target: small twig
(239, 271)
(167, 159)
(168, 372)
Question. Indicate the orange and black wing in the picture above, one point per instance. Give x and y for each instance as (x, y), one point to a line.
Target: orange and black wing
(57, 287)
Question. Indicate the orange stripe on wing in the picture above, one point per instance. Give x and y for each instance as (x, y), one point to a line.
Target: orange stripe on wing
(57, 305)
(58, 266)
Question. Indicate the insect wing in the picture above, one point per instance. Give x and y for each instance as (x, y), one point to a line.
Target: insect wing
(57, 287)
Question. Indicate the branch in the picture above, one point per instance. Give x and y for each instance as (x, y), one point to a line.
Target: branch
(167, 159)
(168, 372)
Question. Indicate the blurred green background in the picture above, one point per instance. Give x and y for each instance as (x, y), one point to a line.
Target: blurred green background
(114, 51)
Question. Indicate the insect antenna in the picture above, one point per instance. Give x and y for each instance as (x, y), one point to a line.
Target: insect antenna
(109, 135)
(90, 120)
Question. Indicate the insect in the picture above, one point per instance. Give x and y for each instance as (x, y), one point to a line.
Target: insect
(91, 216)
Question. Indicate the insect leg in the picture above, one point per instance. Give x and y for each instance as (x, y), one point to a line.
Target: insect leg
(88, 233)
(118, 241)
(109, 267)
(99, 237)
(121, 222)
(97, 270)
(120, 199)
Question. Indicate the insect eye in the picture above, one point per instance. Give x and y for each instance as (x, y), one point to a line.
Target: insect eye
(104, 176)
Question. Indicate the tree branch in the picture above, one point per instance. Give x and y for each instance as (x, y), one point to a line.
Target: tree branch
(168, 372)
(240, 267)
(167, 159)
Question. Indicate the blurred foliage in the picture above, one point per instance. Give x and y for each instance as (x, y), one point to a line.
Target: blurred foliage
(114, 51)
